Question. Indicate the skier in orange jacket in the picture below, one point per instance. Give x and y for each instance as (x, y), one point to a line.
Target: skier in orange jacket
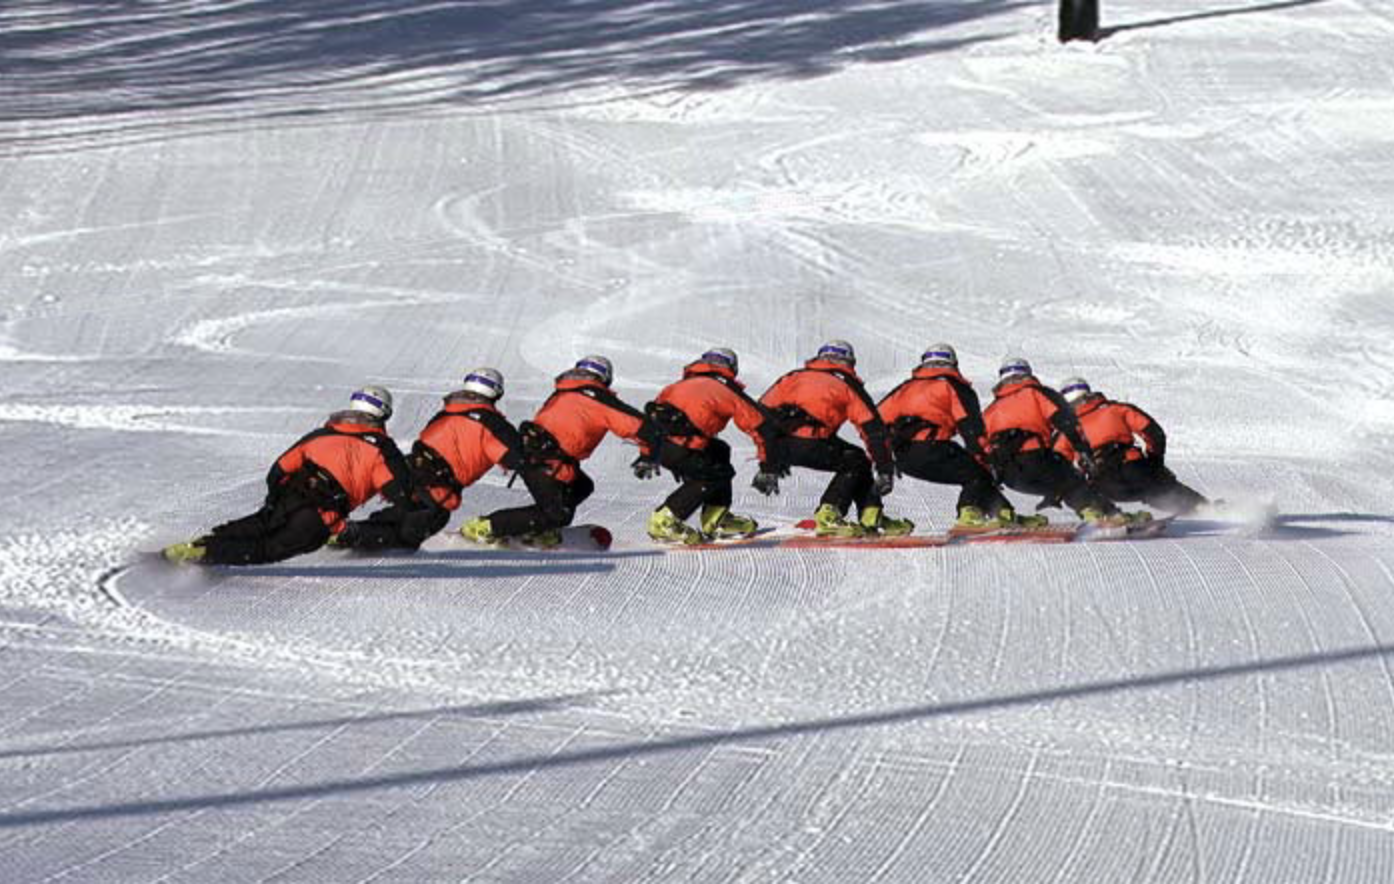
(812, 403)
(312, 488)
(1022, 422)
(1124, 470)
(578, 415)
(923, 415)
(465, 439)
(689, 414)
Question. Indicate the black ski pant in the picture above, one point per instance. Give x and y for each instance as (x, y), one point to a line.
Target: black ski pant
(852, 480)
(1148, 481)
(948, 463)
(1078, 20)
(554, 505)
(705, 474)
(289, 526)
(1047, 473)
(396, 527)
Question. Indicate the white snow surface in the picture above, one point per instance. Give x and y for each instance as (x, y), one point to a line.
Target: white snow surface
(219, 218)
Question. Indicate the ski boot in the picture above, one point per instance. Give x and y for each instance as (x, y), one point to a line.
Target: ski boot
(190, 553)
(1092, 515)
(874, 521)
(666, 527)
(972, 517)
(719, 521)
(479, 530)
(828, 522)
(1008, 516)
(972, 520)
(547, 539)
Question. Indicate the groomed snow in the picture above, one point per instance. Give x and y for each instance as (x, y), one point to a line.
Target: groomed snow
(220, 218)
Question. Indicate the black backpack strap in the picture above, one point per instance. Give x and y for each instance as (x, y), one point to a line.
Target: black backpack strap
(791, 417)
(875, 429)
(429, 468)
(649, 434)
(401, 476)
(896, 389)
(972, 428)
(672, 421)
(276, 478)
(501, 429)
(734, 388)
(540, 446)
(1006, 444)
(1065, 420)
(399, 489)
(905, 428)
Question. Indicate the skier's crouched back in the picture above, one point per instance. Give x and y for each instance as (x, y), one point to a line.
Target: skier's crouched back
(312, 488)
(462, 442)
(566, 430)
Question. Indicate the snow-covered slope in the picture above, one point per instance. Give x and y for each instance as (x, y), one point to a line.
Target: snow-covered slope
(220, 218)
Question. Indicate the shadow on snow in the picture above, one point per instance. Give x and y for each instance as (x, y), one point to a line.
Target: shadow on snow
(95, 58)
(423, 568)
(691, 742)
(1106, 32)
(473, 711)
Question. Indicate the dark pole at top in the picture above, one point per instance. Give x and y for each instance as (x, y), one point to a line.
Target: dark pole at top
(1079, 20)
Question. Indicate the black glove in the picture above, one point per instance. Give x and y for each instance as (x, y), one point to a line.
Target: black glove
(645, 467)
(766, 482)
(1088, 466)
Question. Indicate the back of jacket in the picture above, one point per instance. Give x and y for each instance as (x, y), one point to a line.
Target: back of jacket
(817, 389)
(1022, 405)
(1108, 423)
(582, 410)
(466, 434)
(356, 453)
(936, 396)
(711, 397)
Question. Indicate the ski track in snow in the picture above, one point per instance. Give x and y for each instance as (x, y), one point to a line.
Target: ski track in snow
(1191, 212)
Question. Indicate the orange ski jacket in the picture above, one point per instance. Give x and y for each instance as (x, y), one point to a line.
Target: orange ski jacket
(578, 414)
(1025, 416)
(459, 445)
(707, 399)
(343, 465)
(814, 402)
(934, 405)
(1112, 427)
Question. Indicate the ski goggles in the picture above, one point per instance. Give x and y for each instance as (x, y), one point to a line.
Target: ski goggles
(717, 357)
(371, 400)
(486, 382)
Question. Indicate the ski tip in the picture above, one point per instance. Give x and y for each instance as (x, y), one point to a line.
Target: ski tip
(601, 536)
